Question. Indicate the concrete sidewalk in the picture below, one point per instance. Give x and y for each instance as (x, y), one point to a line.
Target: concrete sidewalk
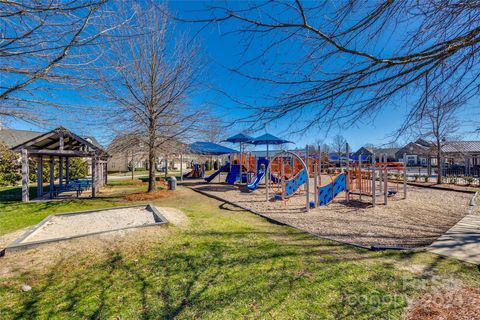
(462, 241)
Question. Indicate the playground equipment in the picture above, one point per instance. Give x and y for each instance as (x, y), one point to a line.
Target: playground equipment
(262, 165)
(372, 180)
(291, 173)
(198, 171)
(239, 165)
(365, 180)
(223, 168)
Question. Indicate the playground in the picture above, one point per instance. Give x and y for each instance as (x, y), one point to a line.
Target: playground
(414, 222)
(367, 204)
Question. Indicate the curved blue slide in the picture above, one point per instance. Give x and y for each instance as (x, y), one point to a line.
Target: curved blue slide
(256, 181)
(216, 173)
(262, 162)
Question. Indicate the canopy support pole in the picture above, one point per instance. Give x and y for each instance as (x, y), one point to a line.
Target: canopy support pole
(308, 178)
(267, 176)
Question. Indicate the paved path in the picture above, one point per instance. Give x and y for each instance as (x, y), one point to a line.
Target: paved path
(462, 241)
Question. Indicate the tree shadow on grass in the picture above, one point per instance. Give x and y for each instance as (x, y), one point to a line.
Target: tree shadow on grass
(252, 273)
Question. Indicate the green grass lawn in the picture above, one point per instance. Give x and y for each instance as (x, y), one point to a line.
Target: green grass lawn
(226, 264)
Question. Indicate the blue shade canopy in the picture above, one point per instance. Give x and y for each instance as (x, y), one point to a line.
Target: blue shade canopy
(209, 148)
(268, 139)
(241, 137)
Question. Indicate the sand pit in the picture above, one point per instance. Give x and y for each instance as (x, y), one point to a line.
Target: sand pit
(78, 224)
(417, 221)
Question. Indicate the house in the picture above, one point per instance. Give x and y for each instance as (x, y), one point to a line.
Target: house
(129, 150)
(465, 153)
(421, 152)
(418, 153)
(379, 153)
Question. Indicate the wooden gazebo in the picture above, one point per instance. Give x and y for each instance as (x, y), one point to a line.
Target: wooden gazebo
(59, 145)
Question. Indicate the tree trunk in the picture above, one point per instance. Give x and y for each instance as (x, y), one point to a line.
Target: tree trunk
(151, 170)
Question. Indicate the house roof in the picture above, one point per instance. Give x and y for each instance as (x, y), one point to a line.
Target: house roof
(13, 137)
(461, 146)
(390, 152)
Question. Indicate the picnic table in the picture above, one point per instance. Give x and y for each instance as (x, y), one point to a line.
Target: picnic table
(76, 185)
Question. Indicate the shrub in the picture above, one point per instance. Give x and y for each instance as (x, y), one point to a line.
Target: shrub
(78, 168)
(215, 165)
(9, 167)
(145, 179)
(469, 180)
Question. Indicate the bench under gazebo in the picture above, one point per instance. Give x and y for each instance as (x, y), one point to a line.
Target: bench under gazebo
(57, 147)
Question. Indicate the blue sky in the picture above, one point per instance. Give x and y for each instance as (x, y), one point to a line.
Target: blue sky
(222, 52)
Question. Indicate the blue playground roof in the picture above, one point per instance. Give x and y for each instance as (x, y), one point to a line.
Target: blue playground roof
(241, 137)
(209, 148)
(268, 139)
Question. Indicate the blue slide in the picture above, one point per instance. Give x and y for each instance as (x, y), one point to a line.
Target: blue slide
(256, 181)
(234, 174)
(262, 162)
(216, 173)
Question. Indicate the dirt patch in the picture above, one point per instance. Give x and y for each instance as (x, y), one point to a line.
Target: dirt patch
(129, 242)
(456, 304)
(147, 196)
(417, 221)
(60, 226)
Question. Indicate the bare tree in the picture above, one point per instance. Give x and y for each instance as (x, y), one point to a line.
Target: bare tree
(439, 122)
(214, 131)
(353, 56)
(339, 144)
(129, 146)
(43, 44)
(155, 70)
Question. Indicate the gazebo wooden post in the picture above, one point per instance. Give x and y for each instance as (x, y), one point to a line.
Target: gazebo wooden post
(52, 176)
(94, 177)
(60, 170)
(99, 173)
(105, 173)
(40, 176)
(25, 175)
(67, 170)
